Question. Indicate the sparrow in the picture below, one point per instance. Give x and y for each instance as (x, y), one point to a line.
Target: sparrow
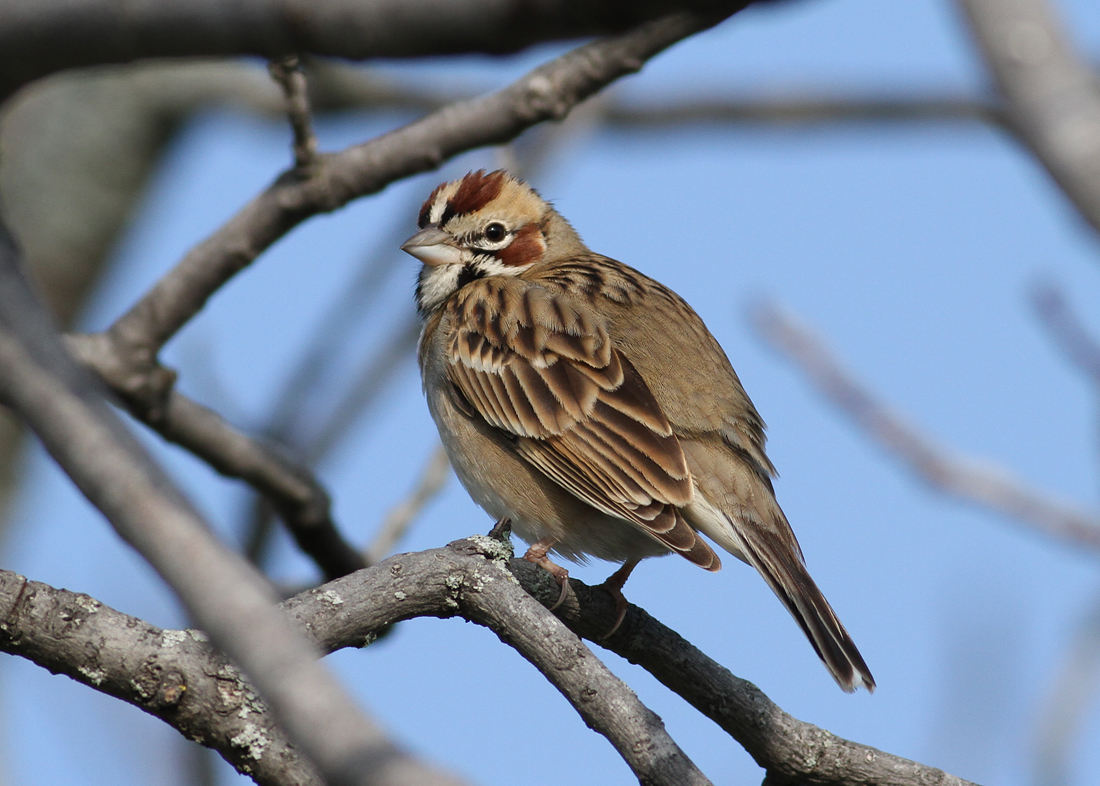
(590, 406)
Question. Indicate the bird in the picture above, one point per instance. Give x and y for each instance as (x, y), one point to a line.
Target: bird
(590, 407)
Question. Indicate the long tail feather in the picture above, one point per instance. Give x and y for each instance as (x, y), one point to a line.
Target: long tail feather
(782, 568)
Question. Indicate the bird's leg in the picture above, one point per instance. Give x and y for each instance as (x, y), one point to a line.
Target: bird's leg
(614, 585)
(537, 554)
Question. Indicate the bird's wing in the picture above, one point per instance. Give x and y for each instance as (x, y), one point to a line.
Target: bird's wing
(540, 367)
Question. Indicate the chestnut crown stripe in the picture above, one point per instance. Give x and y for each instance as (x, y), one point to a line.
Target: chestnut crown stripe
(475, 191)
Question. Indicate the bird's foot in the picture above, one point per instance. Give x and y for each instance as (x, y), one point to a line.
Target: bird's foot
(614, 585)
(537, 554)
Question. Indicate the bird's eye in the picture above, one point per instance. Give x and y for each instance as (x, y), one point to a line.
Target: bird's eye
(495, 232)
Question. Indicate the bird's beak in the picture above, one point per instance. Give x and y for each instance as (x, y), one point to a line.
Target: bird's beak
(432, 246)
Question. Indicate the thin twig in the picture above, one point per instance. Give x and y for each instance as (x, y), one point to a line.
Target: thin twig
(961, 477)
(433, 477)
(371, 380)
(1068, 705)
(1068, 330)
(289, 487)
(288, 73)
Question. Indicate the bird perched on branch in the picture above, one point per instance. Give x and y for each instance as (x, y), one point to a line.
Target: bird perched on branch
(590, 406)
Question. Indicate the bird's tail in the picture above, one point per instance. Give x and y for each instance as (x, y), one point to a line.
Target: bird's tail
(783, 569)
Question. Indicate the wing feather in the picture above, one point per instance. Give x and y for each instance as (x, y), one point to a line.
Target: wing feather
(541, 367)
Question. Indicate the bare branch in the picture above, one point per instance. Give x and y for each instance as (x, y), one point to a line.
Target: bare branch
(232, 602)
(291, 489)
(1052, 97)
(1067, 330)
(431, 481)
(171, 674)
(1071, 698)
(807, 107)
(38, 38)
(547, 93)
(961, 477)
(466, 579)
(791, 751)
(288, 73)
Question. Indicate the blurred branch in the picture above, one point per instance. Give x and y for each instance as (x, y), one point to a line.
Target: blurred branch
(228, 598)
(1052, 96)
(288, 73)
(1067, 708)
(39, 38)
(291, 489)
(811, 107)
(1068, 331)
(369, 383)
(964, 478)
(431, 481)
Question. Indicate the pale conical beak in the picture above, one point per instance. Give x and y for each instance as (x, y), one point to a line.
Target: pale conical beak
(432, 246)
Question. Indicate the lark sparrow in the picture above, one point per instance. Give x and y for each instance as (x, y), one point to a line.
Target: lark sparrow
(590, 405)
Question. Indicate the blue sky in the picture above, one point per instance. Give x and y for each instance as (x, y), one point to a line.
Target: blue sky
(909, 249)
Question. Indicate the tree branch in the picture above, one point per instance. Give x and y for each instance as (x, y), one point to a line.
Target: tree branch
(961, 477)
(433, 477)
(296, 495)
(466, 579)
(171, 674)
(547, 93)
(1067, 330)
(288, 73)
(226, 596)
(38, 38)
(1052, 97)
(125, 356)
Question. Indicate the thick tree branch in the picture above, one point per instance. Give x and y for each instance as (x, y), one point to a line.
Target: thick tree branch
(230, 601)
(1052, 97)
(38, 37)
(996, 489)
(173, 675)
(465, 579)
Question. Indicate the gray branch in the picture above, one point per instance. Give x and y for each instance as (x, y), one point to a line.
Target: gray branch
(466, 580)
(38, 37)
(1052, 97)
(226, 596)
(996, 489)
(125, 356)
(547, 93)
(171, 674)
(296, 495)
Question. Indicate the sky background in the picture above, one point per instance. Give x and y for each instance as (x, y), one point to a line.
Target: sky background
(910, 249)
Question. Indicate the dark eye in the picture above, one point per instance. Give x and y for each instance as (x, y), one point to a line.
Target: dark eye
(495, 232)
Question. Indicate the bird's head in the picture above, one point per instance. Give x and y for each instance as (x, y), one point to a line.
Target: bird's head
(484, 225)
